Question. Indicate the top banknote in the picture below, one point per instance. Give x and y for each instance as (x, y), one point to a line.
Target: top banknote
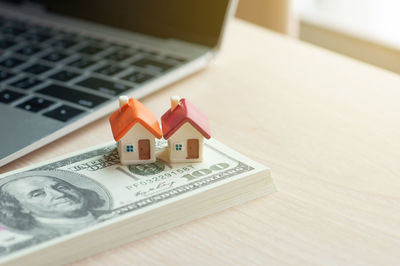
(84, 191)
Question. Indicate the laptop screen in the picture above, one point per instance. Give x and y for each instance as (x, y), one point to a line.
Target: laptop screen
(196, 21)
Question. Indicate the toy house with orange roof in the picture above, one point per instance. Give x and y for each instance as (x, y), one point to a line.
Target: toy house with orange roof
(135, 128)
(185, 128)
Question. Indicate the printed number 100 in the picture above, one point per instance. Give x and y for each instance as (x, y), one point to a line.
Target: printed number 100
(203, 172)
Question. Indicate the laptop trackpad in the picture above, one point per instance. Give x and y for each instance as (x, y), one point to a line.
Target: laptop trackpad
(19, 128)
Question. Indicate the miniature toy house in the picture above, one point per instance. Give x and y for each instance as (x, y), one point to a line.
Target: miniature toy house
(185, 128)
(134, 126)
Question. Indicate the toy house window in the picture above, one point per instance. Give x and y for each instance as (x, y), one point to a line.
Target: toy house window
(129, 148)
(178, 147)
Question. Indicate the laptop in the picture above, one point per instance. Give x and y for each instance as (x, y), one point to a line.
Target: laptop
(63, 63)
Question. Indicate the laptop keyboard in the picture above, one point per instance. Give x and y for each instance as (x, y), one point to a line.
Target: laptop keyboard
(62, 75)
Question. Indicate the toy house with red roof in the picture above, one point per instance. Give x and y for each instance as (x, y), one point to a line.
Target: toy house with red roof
(135, 128)
(185, 128)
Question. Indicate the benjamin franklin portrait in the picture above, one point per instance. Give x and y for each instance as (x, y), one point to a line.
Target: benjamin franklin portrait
(51, 203)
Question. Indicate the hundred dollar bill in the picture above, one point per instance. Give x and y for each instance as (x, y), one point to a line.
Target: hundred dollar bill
(45, 207)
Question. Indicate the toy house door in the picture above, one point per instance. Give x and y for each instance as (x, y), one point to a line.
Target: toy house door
(144, 149)
(192, 149)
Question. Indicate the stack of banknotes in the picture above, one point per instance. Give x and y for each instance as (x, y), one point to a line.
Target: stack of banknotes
(86, 202)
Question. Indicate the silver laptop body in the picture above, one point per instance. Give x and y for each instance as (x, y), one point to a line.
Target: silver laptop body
(60, 72)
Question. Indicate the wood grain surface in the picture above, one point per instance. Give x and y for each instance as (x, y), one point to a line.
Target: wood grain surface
(328, 127)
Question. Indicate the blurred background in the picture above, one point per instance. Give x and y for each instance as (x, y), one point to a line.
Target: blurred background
(367, 30)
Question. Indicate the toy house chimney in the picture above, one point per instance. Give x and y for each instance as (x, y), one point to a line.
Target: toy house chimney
(123, 99)
(175, 100)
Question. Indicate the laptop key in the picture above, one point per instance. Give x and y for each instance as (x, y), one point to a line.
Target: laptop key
(63, 43)
(37, 69)
(37, 37)
(55, 56)
(11, 62)
(5, 75)
(148, 52)
(153, 64)
(119, 56)
(64, 75)
(90, 50)
(67, 35)
(35, 104)
(5, 43)
(26, 83)
(138, 77)
(29, 50)
(82, 63)
(63, 113)
(71, 95)
(8, 96)
(93, 39)
(105, 86)
(109, 70)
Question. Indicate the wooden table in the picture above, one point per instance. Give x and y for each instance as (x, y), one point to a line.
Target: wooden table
(329, 128)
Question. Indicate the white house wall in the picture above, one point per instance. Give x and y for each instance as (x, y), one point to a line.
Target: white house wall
(136, 133)
(185, 132)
